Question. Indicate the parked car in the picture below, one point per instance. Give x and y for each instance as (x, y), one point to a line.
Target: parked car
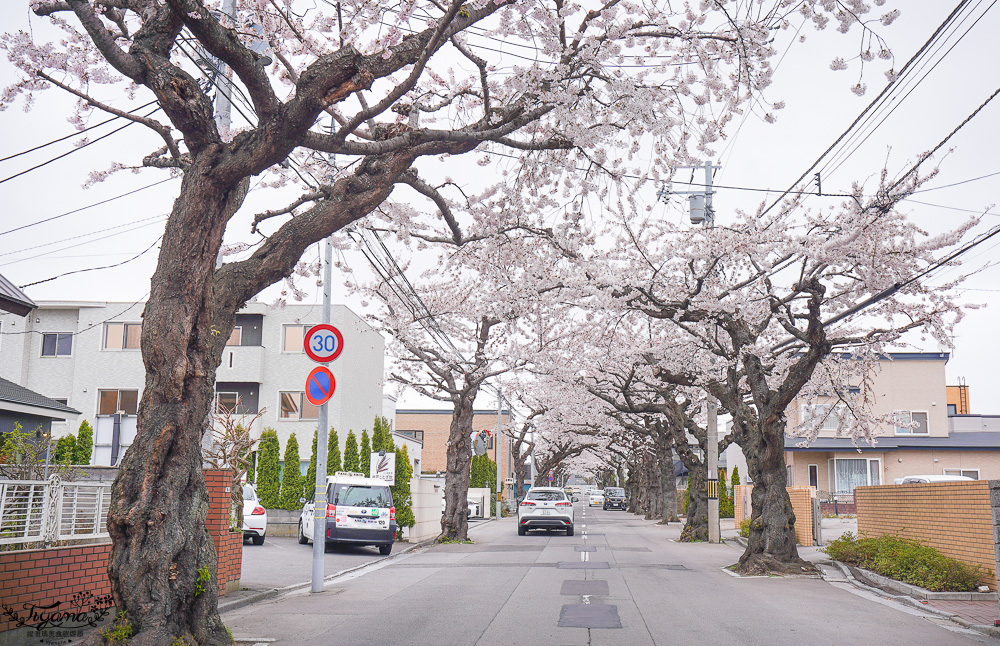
(614, 498)
(545, 508)
(359, 511)
(931, 478)
(596, 498)
(254, 516)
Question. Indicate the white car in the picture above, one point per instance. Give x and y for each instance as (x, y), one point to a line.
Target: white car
(254, 516)
(596, 498)
(931, 478)
(359, 511)
(545, 508)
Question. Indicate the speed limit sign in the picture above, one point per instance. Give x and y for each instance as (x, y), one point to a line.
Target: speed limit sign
(323, 343)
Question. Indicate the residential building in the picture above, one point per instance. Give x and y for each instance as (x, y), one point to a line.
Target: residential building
(958, 400)
(86, 355)
(431, 428)
(923, 439)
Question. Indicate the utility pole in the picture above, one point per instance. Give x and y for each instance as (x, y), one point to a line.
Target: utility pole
(499, 451)
(224, 85)
(701, 212)
(323, 423)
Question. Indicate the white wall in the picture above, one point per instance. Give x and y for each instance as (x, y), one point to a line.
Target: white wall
(428, 495)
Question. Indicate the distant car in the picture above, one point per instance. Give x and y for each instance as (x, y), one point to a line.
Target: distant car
(474, 510)
(596, 498)
(931, 478)
(545, 508)
(359, 511)
(254, 516)
(614, 498)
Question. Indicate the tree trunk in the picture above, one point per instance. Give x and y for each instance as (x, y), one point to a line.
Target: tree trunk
(771, 546)
(454, 523)
(696, 526)
(654, 503)
(668, 483)
(157, 518)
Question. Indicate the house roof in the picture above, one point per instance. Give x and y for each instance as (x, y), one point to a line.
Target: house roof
(13, 299)
(975, 441)
(15, 394)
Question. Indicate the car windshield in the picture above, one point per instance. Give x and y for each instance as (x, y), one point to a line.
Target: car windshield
(546, 495)
(614, 491)
(352, 495)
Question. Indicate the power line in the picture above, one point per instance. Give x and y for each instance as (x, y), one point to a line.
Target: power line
(84, 235)
(79, 244)
(78, 132)
(80, 271)
(89, 206)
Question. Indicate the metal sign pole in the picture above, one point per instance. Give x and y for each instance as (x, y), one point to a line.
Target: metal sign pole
(499, 451)
(322, 432)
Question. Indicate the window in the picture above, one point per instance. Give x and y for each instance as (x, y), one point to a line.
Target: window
(848, 473)
(112, 401)
(57, 345)
(236, 337)
(293, 338)
(911, 423)
(952, 409)
(545, 495)
(294, 405)
(826, 416)
(814, 475)
(968, 473)
(225, 403)
(122, 336)
(351, 495)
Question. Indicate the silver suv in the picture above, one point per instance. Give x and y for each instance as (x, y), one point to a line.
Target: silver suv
(545, 508)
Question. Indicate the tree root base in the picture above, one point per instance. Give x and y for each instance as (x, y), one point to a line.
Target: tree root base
(767, 564)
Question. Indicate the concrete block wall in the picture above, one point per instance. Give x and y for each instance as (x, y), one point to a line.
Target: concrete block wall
(801, 498)
(427, 496)
(952, 517)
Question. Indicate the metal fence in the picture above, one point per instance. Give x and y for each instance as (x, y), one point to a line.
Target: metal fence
(46, 511)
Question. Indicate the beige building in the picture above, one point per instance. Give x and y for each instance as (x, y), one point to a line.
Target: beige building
(925, 440)
(431, 427)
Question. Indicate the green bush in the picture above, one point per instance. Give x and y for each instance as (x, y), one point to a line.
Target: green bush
(687, 498)
(907, 561)
(309, 484)
(365, 454)
(351, 462)
(381, 435)
(333, 464)
(401, 495)
(84, 444)
(291, 476)
(268, 484)
(65, 449)
(745, 528)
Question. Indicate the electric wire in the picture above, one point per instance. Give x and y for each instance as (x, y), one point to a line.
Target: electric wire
(80, 271)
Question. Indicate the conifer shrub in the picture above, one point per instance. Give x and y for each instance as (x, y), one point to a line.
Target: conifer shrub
(268, 483)
(309, 484)
(84, 444)
(291, 476)
(333, 462)
(351, 461)
(65, 449)
(401, 495)
(365, 454)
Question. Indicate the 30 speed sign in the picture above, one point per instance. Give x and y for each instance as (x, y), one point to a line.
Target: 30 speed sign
(323, 343)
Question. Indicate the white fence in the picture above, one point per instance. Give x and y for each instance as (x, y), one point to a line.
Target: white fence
(47, 511)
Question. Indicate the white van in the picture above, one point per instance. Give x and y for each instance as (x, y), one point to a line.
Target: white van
(359, 511)
(931, 478)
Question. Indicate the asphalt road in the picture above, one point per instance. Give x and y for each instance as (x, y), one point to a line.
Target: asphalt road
(620, 581)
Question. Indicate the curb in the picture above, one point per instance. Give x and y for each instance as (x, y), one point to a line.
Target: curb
(991, 631)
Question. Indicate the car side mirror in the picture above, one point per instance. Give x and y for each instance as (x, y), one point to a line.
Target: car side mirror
(575, 499)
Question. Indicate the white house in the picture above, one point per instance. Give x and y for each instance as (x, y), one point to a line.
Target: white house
(86, 356)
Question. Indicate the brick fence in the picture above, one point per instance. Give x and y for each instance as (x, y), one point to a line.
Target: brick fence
(952, 517)
(801, 498)
(77, 576)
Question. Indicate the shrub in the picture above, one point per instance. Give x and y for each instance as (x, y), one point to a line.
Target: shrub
(907, 561)
(351, 462)
(268, 484)
(725, 497)
(291, 476)
(309, 484)
(687, 498)
(401, 496)
(745, 528)
(333, 464)
(65, 449)
(365, 454)
(84, 444)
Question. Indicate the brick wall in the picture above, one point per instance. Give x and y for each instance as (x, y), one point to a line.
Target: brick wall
(801, 498)
(952, 517)
(46, 576)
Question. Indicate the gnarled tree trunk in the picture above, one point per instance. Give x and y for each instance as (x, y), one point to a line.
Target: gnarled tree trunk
(771, 546)
(696, 526)
(667, 480)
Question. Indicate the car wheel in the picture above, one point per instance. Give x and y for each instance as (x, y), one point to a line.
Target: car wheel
(569, 530)
(303, 540)
(385, 550)
(257, 540)
(522, 530)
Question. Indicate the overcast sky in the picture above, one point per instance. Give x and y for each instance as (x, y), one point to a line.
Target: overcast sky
(818, 107)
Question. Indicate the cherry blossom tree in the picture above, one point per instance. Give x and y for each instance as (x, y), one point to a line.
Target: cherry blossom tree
(574, 92)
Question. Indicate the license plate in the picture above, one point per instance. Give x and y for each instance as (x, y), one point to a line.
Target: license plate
(546, 512)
